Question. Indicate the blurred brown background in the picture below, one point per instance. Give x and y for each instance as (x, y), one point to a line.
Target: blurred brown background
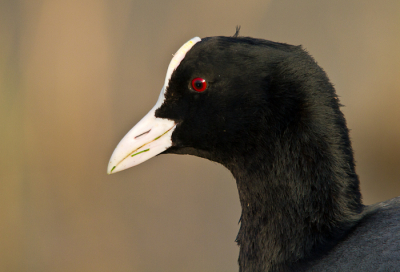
(75, 76)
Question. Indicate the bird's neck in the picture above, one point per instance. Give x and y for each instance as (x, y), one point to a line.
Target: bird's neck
(295, 203)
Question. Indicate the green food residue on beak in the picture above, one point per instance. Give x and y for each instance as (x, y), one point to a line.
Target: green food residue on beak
(139, 153)
(162, 135)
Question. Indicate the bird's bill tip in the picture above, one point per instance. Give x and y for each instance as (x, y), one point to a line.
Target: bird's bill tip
(148, 138)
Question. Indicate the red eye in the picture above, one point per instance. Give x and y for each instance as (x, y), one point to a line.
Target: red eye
(199, 84)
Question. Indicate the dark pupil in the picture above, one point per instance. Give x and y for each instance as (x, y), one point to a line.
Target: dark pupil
(198, 84)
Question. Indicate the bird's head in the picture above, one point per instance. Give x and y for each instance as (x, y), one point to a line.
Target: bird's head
(268, 113)
(223, 99)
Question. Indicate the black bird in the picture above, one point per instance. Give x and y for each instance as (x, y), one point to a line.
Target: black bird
(268, 113)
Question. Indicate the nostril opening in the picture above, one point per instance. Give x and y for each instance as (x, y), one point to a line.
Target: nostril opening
(142, 134)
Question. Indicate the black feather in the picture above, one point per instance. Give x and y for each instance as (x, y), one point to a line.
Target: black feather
(237, 32)
(271, 116)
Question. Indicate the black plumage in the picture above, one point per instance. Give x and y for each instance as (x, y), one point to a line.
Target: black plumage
(271, 116)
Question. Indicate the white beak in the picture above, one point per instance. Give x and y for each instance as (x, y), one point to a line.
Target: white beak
(151, 135)
(146, 139)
